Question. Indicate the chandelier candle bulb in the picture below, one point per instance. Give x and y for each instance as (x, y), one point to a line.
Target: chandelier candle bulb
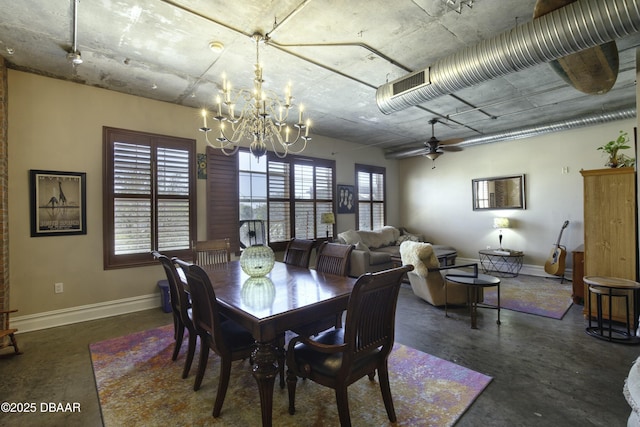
(300, 116)
(306, 131)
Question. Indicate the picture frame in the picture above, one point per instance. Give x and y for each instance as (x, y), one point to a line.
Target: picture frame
(58, 203)
(346, 199)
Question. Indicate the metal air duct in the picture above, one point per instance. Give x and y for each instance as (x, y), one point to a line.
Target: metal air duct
(575, 27)
(527, 132)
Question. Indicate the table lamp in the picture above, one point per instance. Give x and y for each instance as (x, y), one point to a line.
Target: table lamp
(329, 219)
(500, 223)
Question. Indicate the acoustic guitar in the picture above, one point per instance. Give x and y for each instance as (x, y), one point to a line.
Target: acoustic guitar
(555, 262)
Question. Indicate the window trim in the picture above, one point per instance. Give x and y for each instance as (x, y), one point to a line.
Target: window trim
(110, 136)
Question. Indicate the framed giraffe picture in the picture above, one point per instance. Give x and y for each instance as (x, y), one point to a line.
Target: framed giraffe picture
(58, 203)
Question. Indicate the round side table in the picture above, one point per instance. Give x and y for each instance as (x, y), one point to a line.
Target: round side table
(612, 287)
(473, 284)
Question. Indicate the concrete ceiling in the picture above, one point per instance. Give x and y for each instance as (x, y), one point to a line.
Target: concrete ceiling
(334, 53)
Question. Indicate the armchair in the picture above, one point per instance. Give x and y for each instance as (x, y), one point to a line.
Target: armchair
(427, 279)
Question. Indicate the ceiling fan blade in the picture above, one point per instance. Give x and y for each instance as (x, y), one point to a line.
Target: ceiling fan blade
(451, 141)
(450, 149)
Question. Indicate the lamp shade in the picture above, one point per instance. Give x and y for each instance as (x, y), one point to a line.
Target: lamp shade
(500, 222)
(328, 218)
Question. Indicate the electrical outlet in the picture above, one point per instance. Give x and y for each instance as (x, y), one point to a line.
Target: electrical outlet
(58, 288)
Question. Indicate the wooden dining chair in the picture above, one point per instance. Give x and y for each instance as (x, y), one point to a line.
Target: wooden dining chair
(339, 357)
(333, 258)
(226, 338)
(298, 252)
(181, 309)
(212, 252)
(6, 331)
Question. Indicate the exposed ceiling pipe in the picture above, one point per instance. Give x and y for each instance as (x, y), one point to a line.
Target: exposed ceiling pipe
(575, 27)
(75, 57)
(527, 132)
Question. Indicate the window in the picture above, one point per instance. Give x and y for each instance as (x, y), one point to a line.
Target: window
(252, 176)
(289, 194)
(371, 197)
(149, 196)
(298, 213)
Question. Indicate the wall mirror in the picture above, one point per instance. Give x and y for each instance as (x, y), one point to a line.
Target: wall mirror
(501, 192)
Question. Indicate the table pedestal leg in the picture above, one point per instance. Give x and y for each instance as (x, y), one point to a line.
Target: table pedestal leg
(472, 295)
(265, 371)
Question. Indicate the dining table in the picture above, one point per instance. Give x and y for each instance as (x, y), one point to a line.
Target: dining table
(268, 306)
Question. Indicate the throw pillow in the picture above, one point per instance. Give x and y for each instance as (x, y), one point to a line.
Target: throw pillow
(408, 237)
(420, 255)
(362, 247)
(350, 237)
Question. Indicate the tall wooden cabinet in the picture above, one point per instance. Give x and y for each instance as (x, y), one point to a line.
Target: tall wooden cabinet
(610, 238)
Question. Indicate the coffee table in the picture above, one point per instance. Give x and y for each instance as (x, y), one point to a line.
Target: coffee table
(474, 283)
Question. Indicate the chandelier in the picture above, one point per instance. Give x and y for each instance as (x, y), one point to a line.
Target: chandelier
(262, 119)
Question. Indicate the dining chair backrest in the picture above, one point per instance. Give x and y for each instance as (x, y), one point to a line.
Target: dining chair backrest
(177, 295)
(371, 310)
(298, 252)
(203, 303)
(212, 252)
(333, 258)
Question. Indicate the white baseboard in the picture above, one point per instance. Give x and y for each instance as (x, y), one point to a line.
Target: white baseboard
(527, 269)
(83, 313)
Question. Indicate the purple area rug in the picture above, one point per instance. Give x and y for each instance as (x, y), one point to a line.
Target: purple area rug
(139, 385)
(534, 295)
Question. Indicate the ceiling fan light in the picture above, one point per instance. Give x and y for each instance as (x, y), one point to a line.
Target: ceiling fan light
(432, 155)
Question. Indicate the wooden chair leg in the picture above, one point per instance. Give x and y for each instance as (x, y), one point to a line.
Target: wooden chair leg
(383, 376)
(14, 342)
(292, 380)
(281, 360)
(202, 362)
(223, 383)
(343, 406)
(193, 337)
(179, 336)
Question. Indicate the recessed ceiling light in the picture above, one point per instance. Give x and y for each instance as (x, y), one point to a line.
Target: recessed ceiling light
(217, 47)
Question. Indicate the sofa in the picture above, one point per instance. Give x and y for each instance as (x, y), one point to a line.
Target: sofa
(379, 250)
(427, 281)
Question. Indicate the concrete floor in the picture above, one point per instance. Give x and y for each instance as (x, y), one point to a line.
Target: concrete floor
(546, 372)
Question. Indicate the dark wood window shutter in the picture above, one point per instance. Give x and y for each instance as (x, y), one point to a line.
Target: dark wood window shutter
(223, 208)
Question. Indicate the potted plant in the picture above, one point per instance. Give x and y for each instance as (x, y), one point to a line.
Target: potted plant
(611, 148)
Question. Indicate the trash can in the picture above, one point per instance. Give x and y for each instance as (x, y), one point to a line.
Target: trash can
(165, 301)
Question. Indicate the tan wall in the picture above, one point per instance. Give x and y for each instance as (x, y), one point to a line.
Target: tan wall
(437, 201)
(56, 125)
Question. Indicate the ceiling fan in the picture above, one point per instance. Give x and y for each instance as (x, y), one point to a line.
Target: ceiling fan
(434, 147)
